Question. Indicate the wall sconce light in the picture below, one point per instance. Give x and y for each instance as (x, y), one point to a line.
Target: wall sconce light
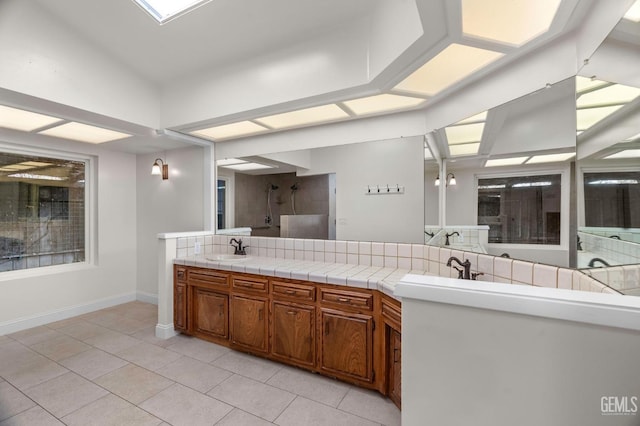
(156, 169)
(451, 180)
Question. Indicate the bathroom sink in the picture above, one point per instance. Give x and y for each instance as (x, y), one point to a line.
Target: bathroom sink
(227, 257)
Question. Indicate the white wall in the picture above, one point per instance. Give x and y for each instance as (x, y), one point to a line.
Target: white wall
(483, 367)
(173, 205)
(43, 58)
(392, 218)
(42, 295)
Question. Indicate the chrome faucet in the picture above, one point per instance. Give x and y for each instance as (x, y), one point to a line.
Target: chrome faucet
(466, 265)
(239, 248)
(446, 242)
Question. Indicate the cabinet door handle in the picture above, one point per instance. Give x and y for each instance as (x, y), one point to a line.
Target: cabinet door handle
(292, 312)
(221, 311)
(244, 284)
(290, 291)
(395, 355)
(326, 328)
(343, 299)
(260, 314)
(180, 274)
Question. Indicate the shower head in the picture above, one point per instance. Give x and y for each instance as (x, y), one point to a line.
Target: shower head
(272, 186)
(294, 187)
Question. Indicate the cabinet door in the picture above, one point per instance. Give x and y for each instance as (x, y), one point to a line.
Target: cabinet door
(249, 326)
(210, 313)
(180, 307)
(346, 344)
(394, 366)
(294, 333)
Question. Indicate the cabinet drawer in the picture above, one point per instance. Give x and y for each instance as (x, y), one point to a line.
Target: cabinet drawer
(302, 292)
(180, 273)
(208, 277)
(249, 283)
(346, 298)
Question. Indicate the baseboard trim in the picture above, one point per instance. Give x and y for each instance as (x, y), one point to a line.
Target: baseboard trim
(165, 331)
(143, 296)
(24, 323)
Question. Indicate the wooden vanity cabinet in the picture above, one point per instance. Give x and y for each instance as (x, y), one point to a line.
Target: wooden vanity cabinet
(208, 304)
(391, 317)
(180, 299)
(249, 313)
(346, 338)
(293, 324)
(323, 328)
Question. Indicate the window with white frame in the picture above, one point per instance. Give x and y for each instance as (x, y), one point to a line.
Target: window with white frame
(42, 210)
(521, 209)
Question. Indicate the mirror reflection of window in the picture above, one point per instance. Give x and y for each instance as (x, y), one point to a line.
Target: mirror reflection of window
(222, 202)
(521, 209)
(611, 198)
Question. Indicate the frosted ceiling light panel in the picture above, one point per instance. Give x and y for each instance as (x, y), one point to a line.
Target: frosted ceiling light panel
(454, 63)
(589, 116)
(233, 130)
(230, 162)
(464, 149)
(248, 166)
(474, 118)
(84, 133)
(627, 153)
(584, 83)
(464, 133)
(164, 11)
(516, 23)
(26, 121)
(314, 115)
(382, 103)
(513, 161)
(551, 158)
(633, 14)
(610, 95)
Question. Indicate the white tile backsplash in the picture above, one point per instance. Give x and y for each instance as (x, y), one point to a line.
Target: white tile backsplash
(377, 249)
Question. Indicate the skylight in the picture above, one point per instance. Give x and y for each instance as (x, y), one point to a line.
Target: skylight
(464, 149)
(164, 11)
(551, 158)
(27, 121)
(382, 103)
(512, 161)
(464, 133)
(633, 14)
(226, 131)
(627, 153)
(302, 117)
(84, 133)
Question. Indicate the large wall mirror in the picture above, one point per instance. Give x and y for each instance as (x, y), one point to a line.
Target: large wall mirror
(512, 168)
(368, 191)
(608, 157)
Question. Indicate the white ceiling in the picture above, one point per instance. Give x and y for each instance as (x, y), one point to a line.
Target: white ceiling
(217, 34)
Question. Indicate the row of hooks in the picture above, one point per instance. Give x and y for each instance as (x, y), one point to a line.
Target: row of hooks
(384, 189)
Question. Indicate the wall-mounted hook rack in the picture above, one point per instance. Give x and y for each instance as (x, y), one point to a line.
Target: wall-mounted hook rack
(385, 189)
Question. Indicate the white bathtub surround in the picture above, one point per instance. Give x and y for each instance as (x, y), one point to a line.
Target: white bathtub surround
(509, 355)
(625, 278)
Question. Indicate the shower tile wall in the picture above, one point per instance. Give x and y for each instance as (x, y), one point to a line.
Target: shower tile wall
(312, 197)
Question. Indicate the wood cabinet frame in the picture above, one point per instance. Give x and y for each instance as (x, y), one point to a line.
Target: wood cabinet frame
(293, 322)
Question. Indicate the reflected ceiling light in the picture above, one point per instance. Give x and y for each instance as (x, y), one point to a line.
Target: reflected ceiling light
(164, 11)
(512, 161)
(230, 162)
(610, 95)
(451, 65)
(530, 184)
(633, 14)
(551, 158)
(382, 103)
(464, 149)
(464, 133)
(233, 130)
(25, 165)
(614, 182)
(301, 117)
(84, 133)
(39, 177)
(627, 153)
(249, 166)
(26, 121)
(500, 186)
(474, 118)
(587, 83)
(518, 21)
(587, 117)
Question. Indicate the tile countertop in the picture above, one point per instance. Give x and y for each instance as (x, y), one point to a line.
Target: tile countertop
(360, 276)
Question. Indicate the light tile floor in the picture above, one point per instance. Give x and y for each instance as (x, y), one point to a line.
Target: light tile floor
(108, 368)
